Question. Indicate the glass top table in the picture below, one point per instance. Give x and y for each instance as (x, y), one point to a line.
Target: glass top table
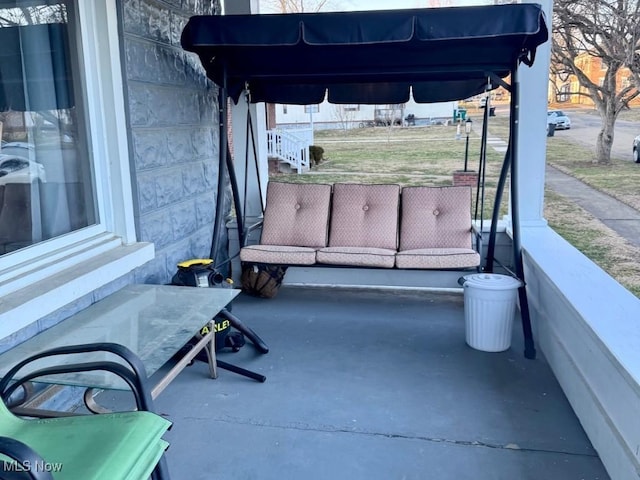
(153, 321)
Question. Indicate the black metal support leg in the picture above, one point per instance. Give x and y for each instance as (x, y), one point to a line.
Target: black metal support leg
(241, 371)
(529, 348)
(251, 335)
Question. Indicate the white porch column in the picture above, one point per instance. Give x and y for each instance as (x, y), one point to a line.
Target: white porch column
(242, 167)
(532, 119)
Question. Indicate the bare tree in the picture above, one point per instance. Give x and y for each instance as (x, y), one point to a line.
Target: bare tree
(344, 114)
(293, 6)
(608, 31)
(32, 15)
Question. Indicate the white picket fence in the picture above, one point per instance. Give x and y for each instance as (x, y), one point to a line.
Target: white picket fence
(290, 146)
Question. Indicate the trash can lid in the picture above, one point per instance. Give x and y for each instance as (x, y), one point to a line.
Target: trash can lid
(491, 281)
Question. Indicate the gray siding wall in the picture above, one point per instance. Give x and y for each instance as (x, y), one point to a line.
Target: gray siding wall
(173, 129)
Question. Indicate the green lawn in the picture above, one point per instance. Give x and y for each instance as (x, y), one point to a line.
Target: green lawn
(619, 179)
(406, 156)
(430, 155)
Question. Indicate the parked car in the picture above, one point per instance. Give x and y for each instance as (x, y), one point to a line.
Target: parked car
(636, 148)
(562, 121)
(20, 149)
(14, 169)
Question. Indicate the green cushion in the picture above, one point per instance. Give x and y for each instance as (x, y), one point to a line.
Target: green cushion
(113, 446)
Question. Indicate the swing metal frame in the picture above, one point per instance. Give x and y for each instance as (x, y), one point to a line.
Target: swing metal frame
(437, 54)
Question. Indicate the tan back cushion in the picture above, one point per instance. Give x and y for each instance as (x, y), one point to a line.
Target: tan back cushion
(435, 217)
(296, 215)
(364, 216)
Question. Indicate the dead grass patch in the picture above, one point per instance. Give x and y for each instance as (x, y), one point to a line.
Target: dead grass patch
(620, 179)
(605, 247)
(430, 155)
(405, 156)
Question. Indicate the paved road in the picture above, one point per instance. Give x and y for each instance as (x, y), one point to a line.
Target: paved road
(585, 126)
(618, 216)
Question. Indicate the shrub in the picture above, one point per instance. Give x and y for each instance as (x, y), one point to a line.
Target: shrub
(316, 153)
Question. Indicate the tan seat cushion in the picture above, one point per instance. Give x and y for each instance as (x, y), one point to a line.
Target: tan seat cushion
(438, 258)
(296, 215)
(435, 217)
(364, 216)
(357, 256)
(278, 254)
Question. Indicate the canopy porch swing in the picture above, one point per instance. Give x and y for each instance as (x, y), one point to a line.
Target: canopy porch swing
(375, 57)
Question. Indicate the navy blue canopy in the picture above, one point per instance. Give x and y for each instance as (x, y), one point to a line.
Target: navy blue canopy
(375, 57)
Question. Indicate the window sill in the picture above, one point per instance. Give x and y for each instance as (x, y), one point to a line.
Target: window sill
(84, 272)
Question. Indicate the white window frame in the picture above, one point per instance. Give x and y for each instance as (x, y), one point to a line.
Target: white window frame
(40, 279)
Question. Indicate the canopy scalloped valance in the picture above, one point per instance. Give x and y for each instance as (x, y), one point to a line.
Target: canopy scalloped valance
(376, 57)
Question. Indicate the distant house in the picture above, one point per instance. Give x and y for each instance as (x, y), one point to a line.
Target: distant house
(567, 88)
(327, 115)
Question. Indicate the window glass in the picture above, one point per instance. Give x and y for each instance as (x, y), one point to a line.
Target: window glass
(46, 175)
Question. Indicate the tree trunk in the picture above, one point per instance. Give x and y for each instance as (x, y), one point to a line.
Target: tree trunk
(605, 138)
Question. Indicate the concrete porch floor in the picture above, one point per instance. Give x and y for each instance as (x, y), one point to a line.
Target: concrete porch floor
(369, 384)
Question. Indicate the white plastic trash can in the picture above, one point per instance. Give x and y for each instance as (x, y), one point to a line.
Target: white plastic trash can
(489, 309)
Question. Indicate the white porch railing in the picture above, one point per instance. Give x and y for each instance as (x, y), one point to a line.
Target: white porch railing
(290, 147)
(302, 132)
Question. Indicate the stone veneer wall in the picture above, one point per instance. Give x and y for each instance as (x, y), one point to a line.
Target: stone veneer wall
(173, 129)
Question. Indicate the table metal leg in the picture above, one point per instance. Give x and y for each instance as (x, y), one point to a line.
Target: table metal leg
(207, 341)
(211, 350)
